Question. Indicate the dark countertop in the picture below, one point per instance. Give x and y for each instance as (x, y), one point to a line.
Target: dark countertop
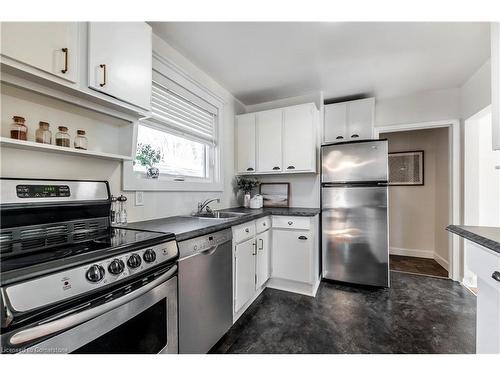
(488, 237)
(186, 227)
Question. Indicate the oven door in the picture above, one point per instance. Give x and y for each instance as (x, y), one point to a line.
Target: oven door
(143, 320)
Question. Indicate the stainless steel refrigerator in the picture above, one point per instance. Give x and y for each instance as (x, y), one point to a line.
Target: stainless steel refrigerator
(354, 217)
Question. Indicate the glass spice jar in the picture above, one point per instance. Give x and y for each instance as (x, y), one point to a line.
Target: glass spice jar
(18, 130)
(80, 140)
(43, 134)
(62, 137)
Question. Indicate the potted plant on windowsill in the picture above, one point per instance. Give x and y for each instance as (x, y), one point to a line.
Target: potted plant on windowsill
(148, 157)
(246, 185)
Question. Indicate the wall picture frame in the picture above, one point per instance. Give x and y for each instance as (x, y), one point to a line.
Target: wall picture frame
(406, 168)
(275, 194)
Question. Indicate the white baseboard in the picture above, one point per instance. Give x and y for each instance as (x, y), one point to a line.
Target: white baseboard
(294, 286)
(412, 252)
(443, 262)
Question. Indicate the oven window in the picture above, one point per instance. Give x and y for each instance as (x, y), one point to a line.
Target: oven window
(145, 333)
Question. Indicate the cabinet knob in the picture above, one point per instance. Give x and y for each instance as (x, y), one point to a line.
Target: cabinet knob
(302, 238)
(247, 230)
(250, 169)
(290, 167)
(496, 276)
(339, 137)
(290, 222)
(355, 136)
(276, 168)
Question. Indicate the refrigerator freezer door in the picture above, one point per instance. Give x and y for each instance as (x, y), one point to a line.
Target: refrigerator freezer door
(354, 162)
(354, 233)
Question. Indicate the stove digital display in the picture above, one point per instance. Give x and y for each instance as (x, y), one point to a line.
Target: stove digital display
(42, 191)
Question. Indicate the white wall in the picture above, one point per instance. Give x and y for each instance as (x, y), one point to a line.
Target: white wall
(20, 163)
(419, 107)
(475, 94)
(418, 215)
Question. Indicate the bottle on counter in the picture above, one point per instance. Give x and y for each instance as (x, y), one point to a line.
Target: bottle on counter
(80, 140)
(113, 211)
(122, 200)
(43, 134)
(18, 130)
(62, 137)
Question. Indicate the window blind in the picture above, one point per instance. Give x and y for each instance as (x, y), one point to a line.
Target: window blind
(181, 113)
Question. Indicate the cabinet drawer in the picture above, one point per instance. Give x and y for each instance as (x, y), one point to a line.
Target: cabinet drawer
(243, 232)
(292, 222)
(263, 224)
(484, 263)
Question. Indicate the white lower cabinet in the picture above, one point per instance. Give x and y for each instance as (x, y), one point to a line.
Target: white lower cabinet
(263, 263)
(485, 264)
(292, 255)
(279, 252)
(244, 275)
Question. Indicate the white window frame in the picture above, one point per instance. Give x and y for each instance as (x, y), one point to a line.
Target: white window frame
(133, 181)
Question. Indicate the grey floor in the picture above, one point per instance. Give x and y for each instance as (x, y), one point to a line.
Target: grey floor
(418, 314)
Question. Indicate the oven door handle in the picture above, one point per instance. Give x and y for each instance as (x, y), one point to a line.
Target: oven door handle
(55, 326)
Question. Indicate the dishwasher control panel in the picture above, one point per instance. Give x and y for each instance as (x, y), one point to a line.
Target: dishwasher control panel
(204, 243)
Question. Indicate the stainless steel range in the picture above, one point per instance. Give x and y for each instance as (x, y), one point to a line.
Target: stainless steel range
(72, 283)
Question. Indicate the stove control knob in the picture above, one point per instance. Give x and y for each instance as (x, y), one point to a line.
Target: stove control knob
(95, 273)
(134, 261)
(116, 267)
(149, 256)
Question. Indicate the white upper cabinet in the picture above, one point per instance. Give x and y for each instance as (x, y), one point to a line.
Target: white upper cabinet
(495, 83)
(276, 141)
(245, 139)
(335, 125)
(48, 47)
(120, 61)
(299, 138)
(349, 121)
(269, 130)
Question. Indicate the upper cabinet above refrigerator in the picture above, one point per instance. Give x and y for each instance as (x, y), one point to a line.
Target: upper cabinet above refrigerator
(349, 121)
(120, 61)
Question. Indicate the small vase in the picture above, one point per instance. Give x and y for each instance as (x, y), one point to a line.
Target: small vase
(246, 200)
(152, 172)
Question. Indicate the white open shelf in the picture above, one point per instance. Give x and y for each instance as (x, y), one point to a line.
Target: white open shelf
(29, 145)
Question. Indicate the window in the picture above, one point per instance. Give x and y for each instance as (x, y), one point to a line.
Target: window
(183, 127)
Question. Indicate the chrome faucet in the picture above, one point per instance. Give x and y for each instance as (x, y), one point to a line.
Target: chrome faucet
(204, 205)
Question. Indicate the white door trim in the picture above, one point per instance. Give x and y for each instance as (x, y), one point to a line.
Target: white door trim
(454, 174)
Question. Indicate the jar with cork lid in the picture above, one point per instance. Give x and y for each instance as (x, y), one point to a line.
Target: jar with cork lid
(18, 130)
(43, 134)
(80, 140)
(62, 137)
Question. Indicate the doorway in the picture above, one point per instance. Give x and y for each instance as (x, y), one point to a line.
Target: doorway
(420, 213)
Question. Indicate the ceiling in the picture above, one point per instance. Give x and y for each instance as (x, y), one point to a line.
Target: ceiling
(259, 62)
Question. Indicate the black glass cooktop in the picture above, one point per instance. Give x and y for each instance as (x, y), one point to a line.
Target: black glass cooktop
(108, 241)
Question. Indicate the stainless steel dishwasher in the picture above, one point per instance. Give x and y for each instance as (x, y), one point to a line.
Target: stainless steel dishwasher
(205, 291)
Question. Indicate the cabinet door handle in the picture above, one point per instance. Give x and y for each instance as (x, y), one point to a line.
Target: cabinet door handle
(250, 169)
(290, 167)
(276, 168)
(339, 137)
(103, 66)
(66, 52)
(354, 136)
(290, 222)
(261, 244)
(302, 238)
(247, 230)
(254, 248)
(496, 276)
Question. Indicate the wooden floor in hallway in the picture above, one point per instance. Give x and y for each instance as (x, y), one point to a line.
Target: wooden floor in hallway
(420, 266)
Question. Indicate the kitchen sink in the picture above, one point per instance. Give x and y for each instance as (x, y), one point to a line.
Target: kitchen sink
(219, 215)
